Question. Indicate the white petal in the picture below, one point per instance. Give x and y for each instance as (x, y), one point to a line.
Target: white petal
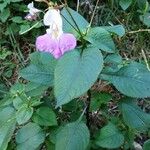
(32, 9)
(49, 31)
(30, 5)
(52, 16)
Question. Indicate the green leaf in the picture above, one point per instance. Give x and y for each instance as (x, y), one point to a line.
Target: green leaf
(133, 116)
(3, 5)
(20, 99)
(109, 137)
(143, 5)
(24, 28)
(145, 19)
(114, 59)
(146, 145)
(101, 39)
(17, 88)
(99, 99)
(113, 63)
(37, 74)
(35, 102)
(8, 1)
(49, 145)
(116, 29)
(6, 101)
(35, 89)
(80, 21)
(45, 116)
(17, 19)
(132, 80)
(73, 136)
(30, 136)
(24, 114)
(125, 3)
(75, 74)
(13, 28)
(4, 15)
(41, 70)
(3, 90)
(7, 126)
(18, 102)
(4, 53)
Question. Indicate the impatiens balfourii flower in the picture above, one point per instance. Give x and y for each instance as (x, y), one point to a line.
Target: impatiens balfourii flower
(55, 41)
(33, 12)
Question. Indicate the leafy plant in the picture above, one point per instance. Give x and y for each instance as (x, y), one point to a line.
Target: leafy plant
(86, 97)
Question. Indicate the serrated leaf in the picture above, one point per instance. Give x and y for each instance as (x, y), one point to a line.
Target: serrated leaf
(75, 74)
(132, 80)
(17, 88)
(30, 137)
(45, 116)
(109, 137)
(35, 89)
(41, 69)
(7, 126)
(18, 102)
(6, 101)
(73, 136)
(101, 39)
(125, 3)
(24, 114)
(133, 116)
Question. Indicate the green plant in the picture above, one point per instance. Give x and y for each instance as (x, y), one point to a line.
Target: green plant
(56, 103)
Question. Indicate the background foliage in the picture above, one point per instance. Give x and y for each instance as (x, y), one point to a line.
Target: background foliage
(76, 103)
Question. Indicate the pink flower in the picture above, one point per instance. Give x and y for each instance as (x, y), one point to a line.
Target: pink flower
(55, 41)
(33, 12)
(57, 47)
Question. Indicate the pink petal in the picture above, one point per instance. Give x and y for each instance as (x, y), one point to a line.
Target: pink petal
(57, 47)
(30, 17)
(67, 42)
(45, 43)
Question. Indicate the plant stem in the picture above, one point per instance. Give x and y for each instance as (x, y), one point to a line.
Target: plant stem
(92, 17)
(137, 31)
(145, 59)
(80, 118)
(88, 101)
(78, 3)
